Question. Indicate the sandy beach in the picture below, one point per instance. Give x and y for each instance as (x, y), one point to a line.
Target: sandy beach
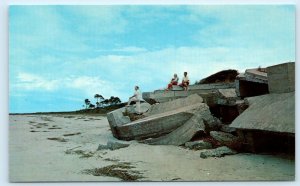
(62, 147)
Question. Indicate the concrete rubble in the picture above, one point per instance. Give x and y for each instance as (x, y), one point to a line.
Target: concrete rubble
(218, 152)
(259, 102)
(206, 91)
(223, 137)
(164, 122)
(252, 83)
(271, 112)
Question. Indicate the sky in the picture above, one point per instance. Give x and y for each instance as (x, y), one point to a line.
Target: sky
(61, 55)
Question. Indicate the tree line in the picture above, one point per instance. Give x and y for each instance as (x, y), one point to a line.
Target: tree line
(102, 102)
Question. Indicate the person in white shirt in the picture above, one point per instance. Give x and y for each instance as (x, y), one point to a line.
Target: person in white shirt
(185, 81)
(137, 97)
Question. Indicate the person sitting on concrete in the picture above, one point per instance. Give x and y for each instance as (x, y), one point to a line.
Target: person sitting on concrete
(174, 81)
(137, 97)
(185, 82)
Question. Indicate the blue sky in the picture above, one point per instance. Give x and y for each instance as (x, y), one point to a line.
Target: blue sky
(60, 55)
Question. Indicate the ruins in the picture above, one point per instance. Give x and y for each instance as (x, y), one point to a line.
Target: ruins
(252, 111)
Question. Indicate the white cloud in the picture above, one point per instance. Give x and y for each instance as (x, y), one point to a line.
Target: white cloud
(92, 85)
(28, 81)
(88, 85)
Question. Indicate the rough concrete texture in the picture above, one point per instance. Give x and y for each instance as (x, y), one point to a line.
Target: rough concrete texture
(256, 76)
(175, 104)
(180, 135)
(271, 112)
(116, 118)
(198, 145)
(281, 78)
(218, 152)
(227, 93)
(222, 137)
(144, 107)
(159, 124)
(227, 97)
(253, 75)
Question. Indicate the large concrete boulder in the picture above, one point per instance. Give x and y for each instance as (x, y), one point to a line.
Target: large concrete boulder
(281, 78)
(158, 124)
(227, 97)
(170, 123)
(180, 135)
(223, 138)
(117, 118)
(218, 152)
(253, 82)
(175, 104)
(271, 112)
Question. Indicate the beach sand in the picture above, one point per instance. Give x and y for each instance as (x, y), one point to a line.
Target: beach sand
(61, 147)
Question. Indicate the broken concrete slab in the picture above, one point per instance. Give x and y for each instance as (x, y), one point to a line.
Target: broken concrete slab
(180, 135)
(172, 105)
(271, 112)
(198, 145)
(247, 87)
(158, 124)
(202, 89)
(227, 97)
(256, 75)
(218, 152)
(116, 118)
(200, 121)
(227, 93)
(162, 119)
(281, 78)
(223, 138)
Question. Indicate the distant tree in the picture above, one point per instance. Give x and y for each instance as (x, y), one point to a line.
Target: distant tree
(105, 102)
(87, 103)
(117, 100)
(91, 106)
(114, 100)
(97, 97)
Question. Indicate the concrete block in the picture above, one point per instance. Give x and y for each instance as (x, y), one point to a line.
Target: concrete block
(281, 78)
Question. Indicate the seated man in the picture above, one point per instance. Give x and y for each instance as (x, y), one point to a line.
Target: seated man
(185, 82)
(137, 97)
